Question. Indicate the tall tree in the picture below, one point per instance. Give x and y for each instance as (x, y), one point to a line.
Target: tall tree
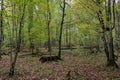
(101, 20)
(108, 43)
(118, 23)
(111, 61)
(48, 25)
(61, 27)
(30, 25)
(1, 27)
(21, 24)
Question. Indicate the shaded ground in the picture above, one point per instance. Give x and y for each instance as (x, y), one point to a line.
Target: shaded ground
(70, 68)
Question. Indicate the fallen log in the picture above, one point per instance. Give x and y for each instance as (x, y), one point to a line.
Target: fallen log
(49, 58)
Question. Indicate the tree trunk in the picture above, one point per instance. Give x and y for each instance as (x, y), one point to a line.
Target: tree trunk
(48, 25)
(61, 28)
(111, 61)
(1, 27)
(101, 20)
(12, 67)
(12, 33)
(118, 29)
(105, 47)
(67, 37)
(30, 26)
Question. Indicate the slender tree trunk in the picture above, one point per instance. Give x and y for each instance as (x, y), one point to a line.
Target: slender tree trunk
(30, 8)
(118, 24)
(105, 47)
(12, 67)
(101, 20)
(61, 28)
(48, 25)
(69, 37)
(1, 27)
(12, 33)
(118, 29)
(57, 33)
(66, 36)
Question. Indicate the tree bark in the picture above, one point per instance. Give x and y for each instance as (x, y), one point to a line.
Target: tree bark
(48, 25)
(61, 28)
(30, 8)
(67, 37)
(12, 67)
(1, 28)
(111, 61)
(101, 20)
(118, 21)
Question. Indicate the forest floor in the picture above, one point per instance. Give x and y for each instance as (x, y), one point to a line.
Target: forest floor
(71, 67)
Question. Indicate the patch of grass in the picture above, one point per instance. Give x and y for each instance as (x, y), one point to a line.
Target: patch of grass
(79, 52)
(78, 77)
(113, 76)
(30, 59)
(98, 59)
(0, 72)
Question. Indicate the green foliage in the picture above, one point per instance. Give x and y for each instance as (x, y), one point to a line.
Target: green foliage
(81, 22)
